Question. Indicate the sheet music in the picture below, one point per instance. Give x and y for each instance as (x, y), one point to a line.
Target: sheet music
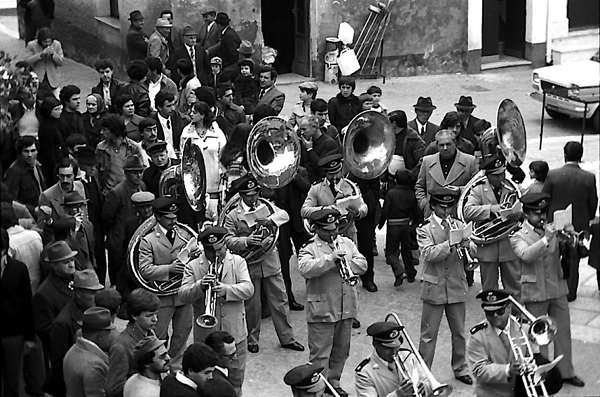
(515, 209)
(544, 368)
(184, 254)
(457, 235)
(563, 218)
(345, 203)
(261, 212)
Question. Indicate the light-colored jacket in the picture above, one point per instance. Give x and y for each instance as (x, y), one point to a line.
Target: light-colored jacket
(85, 367)
(158, 47)
(235, 279)
(46, 65)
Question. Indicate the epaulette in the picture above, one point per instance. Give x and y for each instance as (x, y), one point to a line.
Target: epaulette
(479, 182)
(478, 327)
(425, 222)
(362, 364)
(318, 181)
(310, 240)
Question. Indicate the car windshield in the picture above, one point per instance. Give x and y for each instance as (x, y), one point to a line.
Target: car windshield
(596, 57)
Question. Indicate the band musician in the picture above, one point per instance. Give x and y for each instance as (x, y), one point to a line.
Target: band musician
(306, 380)
(378, 375)
(332, 300)
(231, 285)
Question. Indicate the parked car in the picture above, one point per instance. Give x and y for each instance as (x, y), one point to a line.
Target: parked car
(569, 88)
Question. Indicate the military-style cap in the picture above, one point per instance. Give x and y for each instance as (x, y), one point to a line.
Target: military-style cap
(165, 205)
(494, 165)
(86, 279)
(493, 299)
(331, 164)
(216, 61)
(537, 202)
(306, 376)
(212, 235)
(445, 196)
(326, 218)
(135, 15)
(145, 346)
(189, 30)
(309, 85)
(246, 184)
(142, 198)
(73, 199)
(156, 147)
(97, 319)
(386, 332)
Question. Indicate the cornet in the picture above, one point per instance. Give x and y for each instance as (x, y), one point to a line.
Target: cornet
(345, 271)
(464, 255)
(208, 319)
(574, 238)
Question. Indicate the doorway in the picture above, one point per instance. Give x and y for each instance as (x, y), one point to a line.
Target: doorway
(503, 28)
(285, 27)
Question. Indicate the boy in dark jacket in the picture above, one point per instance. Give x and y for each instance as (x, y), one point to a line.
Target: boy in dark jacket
(402, 213)
(344, 106)
(245, 87)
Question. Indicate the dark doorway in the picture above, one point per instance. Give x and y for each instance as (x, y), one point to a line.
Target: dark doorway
(278, 31)
(583, 14)
(503, 28)
(490, 28)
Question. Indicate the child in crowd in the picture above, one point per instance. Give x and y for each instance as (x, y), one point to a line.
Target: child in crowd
(308, 93)
(366, 102)
(245, 87)
(216, 66)
(538, 171)
(377, 105)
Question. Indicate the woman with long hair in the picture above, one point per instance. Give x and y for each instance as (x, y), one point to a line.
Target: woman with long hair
(51, 138)
(45, 55)
(233, 156)
(96, 108)
(126, 108)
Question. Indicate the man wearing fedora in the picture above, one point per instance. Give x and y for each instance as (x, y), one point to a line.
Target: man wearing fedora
(117, 209)
(175, 39)
(84, 230)
(424, 109)
(229, 41)
(209, 33)
(465, 107)
(137, 40)
(158, 46)
(62, 334)
(86, 362)
(191, 51)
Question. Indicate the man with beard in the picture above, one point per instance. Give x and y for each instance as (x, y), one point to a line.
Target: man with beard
(151, 360)
(159, 162)
(108, 87)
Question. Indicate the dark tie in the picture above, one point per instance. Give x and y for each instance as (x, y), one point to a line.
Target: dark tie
(332, 187)
(446, 226)
(498, 194)
(171, 236)
(423, 130)
(168, 123)
(192, 54)
(262, 94)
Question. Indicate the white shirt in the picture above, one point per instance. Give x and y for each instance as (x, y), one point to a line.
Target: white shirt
(106, 92)
(420, 127)
(167, 129)
(185, 380)
(26, 246)
(153, 89)
(438, 220)
(193, 58)
(211, 145)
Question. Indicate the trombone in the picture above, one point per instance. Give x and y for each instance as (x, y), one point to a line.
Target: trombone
(437, 389)
(345, 271)
(464, 255)
(208, 319)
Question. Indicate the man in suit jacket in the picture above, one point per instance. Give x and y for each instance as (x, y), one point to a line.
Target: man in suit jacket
(158, 46)
(158, 261)
(169, 123)
(424, 109)
(465, 107)
(570, 185)
(108, 87)
(448, 167)
(137, 40)
(85, 244)
(200, 61)
(209, 32)
(229, 42)
(224, 345)
(269, 94)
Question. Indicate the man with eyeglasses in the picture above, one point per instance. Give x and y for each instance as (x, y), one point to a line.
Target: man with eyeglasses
(224, 345)
(151, 360)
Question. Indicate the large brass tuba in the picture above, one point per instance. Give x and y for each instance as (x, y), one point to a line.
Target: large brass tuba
(510, 139)
(369, 144)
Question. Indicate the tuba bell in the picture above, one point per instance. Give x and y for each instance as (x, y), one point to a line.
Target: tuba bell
(510, 139)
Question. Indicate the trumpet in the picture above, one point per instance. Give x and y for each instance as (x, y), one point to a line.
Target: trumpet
(464, 255)
(334, 393)
(345, 271)
(574, 238)
(208, 319)
(418, 364)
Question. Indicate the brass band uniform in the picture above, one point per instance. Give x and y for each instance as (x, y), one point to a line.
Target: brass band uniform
(158, 262)
(543, 286)
(444, 284)
(264, 274)
(306, 380)
(232, 287)
(331, 301)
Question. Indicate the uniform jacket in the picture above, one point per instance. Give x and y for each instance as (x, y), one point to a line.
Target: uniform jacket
(430, 131)
(117, 209)
(430, 176)
(21, 182)
(443, 279)
(158, 47)
(53, 197)
(488, 357)
(274, 98)
(85, 367)
(478, 208)
(228, 48)
(52, 296)
(137, 44)
(237, 226)
(15, 301)
(46, 65)
(541, 272)
(230, 310)
(113, 88)
(572, 185)
(329, 298)
(157, 253)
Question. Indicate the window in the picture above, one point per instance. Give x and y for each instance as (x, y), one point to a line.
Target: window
(114, 8)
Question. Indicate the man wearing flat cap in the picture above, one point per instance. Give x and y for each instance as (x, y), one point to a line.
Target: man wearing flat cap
(158, 45)
(159, 162)
(308, 93)
(330, 317)
(464, 108)
(483, 204)
(85, 284)
(232, 286)
(209, 34)
(160, 260)
(229, 41)
(443, 281)
(151, 360)
(332, 189)
(424, 109)
(377, 375)
(251, 225)
(86, 362)
(137, 40)
(306, 380)
(543, 286)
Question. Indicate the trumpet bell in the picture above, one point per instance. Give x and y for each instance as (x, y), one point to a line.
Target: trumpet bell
(193, 175)
(442, 391)
(169, 181)
(206, 321)
(511, 134)
(543, 330)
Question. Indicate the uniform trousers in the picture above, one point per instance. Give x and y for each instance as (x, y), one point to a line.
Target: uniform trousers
(365, 234)
(182, 326)
(558, 309)
(329, 345)
(277, 301)
(430, 325)
(573, 276)
(399, 240)
(510, 271)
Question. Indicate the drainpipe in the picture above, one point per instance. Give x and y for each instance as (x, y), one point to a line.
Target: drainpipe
(548, 34)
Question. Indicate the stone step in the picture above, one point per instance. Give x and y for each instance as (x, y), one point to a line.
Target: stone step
(578, 46)
(503, 62)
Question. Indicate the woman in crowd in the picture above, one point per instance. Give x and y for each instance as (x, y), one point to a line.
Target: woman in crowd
(126, 109)
(452, 122)
(50, 137)
(91, 118)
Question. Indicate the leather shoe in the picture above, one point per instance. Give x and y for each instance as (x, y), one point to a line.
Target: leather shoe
(295, 306)
(294, 346)
(399, 280)
(575, 381)
(370, 286)
(253, 348)
(466, 379)
(355, 323)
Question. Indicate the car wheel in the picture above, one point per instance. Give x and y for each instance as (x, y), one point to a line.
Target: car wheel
(556, 115)
(596, 121)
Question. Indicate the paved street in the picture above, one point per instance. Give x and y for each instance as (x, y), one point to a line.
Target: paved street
(265, 370)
